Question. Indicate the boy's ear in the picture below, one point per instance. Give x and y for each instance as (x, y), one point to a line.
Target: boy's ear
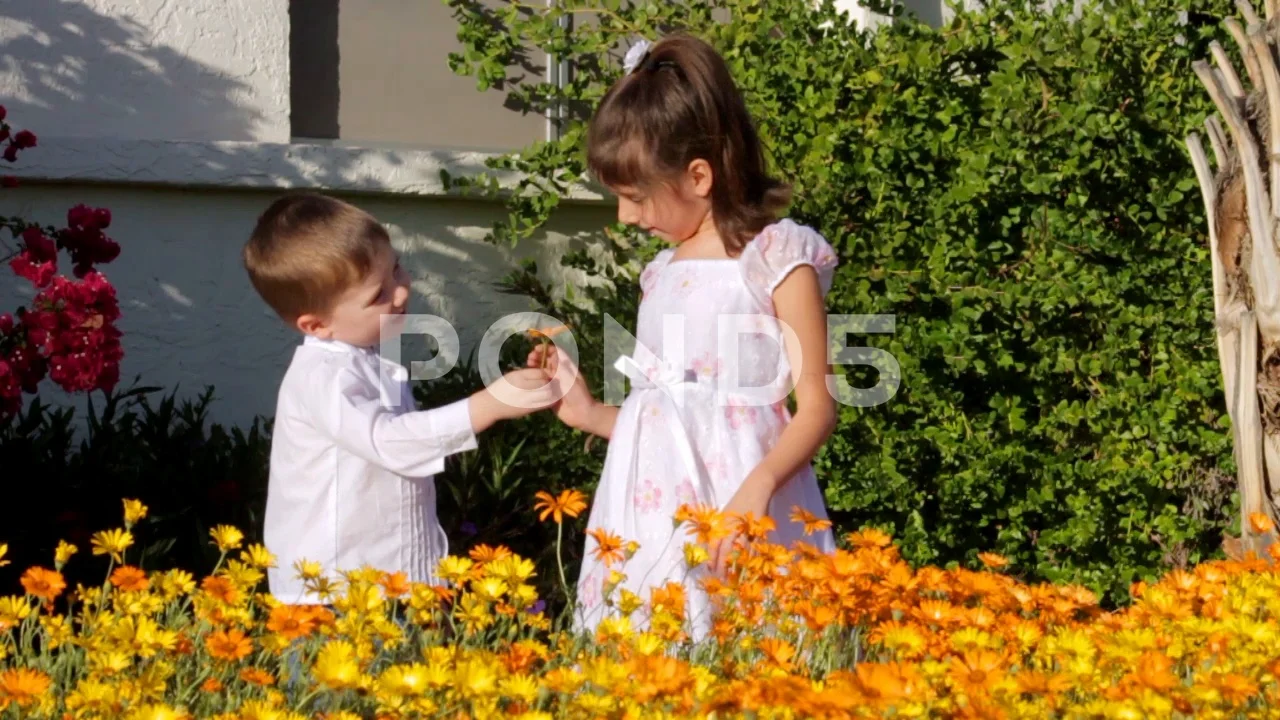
(700, 177)
(313, 325)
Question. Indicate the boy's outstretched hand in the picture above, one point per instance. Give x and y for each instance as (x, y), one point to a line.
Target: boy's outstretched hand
(519, 393)
(576, 406)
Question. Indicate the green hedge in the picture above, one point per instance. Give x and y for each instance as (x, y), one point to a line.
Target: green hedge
(1013, 187)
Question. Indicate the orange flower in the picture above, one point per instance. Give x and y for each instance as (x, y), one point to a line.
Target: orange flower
(568, 502)
(290, 622)
(212, 685)
(1154, 672)
(1235, 689)
(812, 523)
(777, 653)
(522, 654)
(754, 528)
(993, 561)
(669, 597)
(43, 584)
(977, 672)
(129, 578)
(22, 687)
(221, 588)
(936, 612)
(869, 538)
(708, 523)
(1036, 683)
(484, 554)
(257, 676)
(1261, 523)
(395, 585)
(228, 645)
(549, 332)
(608, 547)
(885, 683)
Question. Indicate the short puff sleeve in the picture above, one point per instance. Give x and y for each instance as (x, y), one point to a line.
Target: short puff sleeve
(649, 276)
(780, 248)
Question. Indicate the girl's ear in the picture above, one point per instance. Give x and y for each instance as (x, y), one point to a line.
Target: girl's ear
(700, 177)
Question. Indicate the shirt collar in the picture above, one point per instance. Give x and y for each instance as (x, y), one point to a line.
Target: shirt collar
(336, 346)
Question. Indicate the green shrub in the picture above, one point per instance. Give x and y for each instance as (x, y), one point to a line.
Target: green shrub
(66, 482)
(1013, 188)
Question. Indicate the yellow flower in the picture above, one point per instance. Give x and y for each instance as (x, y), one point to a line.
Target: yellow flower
(475, 678)
(308, 569)
(454, 569)
(259, 557)
(474, 613)
(695, 555)
(134, 511)
(63, 553)
(512, 569)
(613, 629)
(244, 576)
(404, 680)
(568, 502)
(156, 712)
(56, 630)
(13, 610)
(4, 550)
(226, 537)
(628, 602)
(524, 596)
(335, 666)
(112, 542)
(491, 589)
(520, 687)
(175, 584)
(110, 662)
(649, 644)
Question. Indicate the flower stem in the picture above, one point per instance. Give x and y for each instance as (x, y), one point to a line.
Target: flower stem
(564, 584)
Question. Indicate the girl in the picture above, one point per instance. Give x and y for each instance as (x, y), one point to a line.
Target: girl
(706, 421)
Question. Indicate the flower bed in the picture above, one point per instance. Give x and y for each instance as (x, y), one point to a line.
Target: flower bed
(857, 633)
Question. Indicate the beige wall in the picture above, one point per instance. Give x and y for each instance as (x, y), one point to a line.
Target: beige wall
(377, 72)
(190, 317)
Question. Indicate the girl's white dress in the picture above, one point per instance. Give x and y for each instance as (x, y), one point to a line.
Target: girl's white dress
(710, 377)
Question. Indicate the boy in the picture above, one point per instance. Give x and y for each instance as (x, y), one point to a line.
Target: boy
(352, 465)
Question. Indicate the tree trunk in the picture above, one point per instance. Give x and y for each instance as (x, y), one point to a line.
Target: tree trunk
(1241, 192)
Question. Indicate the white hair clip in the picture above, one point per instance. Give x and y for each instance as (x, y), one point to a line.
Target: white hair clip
(635, 56)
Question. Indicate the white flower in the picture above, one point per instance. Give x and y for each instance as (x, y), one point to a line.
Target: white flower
(635, 55)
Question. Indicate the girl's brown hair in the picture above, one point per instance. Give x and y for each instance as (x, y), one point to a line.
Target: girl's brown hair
(680, 104)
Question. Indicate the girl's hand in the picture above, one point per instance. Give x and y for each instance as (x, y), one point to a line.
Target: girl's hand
(576, 406)
(752, 497)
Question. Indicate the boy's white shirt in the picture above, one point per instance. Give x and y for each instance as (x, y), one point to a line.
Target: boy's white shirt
(352, 468)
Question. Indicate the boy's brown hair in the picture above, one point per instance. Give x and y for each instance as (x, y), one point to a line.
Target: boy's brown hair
(307, 249)
(678, 105)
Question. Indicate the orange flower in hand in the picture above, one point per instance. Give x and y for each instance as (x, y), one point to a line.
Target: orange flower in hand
(568, 502)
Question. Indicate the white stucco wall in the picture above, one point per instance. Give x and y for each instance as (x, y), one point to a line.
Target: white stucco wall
(190, 317)
(175, 115)
(154, 69)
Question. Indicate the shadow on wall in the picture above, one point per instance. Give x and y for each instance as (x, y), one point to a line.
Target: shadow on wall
(70, 70)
